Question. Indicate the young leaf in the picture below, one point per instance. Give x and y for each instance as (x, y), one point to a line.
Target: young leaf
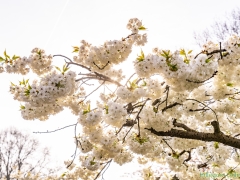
(5, 53)
(207, 60)
(75, 49)
(182, 52)
(58, 68)
(155, 109)
(1, 59)
(65, 68)
(173, 67)
(15, 57)
(216, 146)
(186, 61)
(175, 155)
(144, 83)
(166, 52)
(141, 57)
(106, 108)
(88, 108)
(85, 112)
(230, 84)
(142, 28)
(22, 107)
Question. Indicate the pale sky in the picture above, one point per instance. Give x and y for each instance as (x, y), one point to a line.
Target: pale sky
(57, 25)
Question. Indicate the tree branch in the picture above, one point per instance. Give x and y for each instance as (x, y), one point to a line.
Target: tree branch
(217, 136)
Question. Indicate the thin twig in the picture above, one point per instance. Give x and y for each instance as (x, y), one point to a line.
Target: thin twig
(71, 62)
(101, 68)
(169, 146)
(123, 39)
(196, 81)
(205, 106)
(129, 78)
(57, 129)
(103, 169)
(74, 155)
(92, 92)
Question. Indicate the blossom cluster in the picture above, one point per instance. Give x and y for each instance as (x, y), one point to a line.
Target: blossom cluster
(41, 97)
(38, 61)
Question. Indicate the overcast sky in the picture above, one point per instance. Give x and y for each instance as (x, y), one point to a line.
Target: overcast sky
(57, 25)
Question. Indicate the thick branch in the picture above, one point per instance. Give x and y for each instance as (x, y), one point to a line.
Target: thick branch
(207, 137)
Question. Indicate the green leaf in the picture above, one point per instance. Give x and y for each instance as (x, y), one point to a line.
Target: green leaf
(216, 146)
(22, 107)
(141, 57)
(142, 28)
(92, 163)
(58, 68)
(65, 68)
(149, 174)
(88, 108)
(141, 140)
(182, 52)
(155, 109)
(133, 85)
(5, 54)
(190, 51)
(207, 60)
(175, 155)
(106, 108)
(85, 112)
(186, 61)
(144, 83)
(166, 53)
(225, 54)
(1, 59)
(231, 171)
(15, 57)
(23, 82)
(230, 84)
(27, 92)
(75, 49)
(173, 67)
(12, 84)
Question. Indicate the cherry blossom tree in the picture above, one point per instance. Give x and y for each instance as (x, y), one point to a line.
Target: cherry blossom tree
(178, 109)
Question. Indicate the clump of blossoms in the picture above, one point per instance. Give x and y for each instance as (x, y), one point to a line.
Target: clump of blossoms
(14, 64)
(179, 109)
(38, 61)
